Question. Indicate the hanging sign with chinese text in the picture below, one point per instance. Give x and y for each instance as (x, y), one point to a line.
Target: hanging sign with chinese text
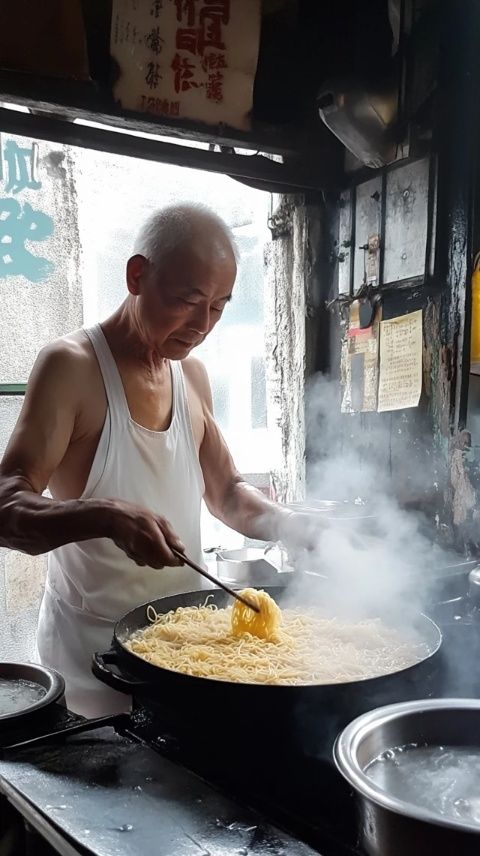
(190, 59)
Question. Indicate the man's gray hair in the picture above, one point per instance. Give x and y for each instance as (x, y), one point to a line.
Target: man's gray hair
(174, 225)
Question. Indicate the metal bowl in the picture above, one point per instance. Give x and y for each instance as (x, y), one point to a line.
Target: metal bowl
(393, 826)
(246, 566)
(16, 674)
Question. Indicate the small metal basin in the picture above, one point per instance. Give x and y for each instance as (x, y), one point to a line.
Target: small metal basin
(27, 689)
(246, 565)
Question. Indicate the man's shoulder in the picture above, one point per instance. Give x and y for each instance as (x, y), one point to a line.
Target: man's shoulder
(197, 377)
(195, 370)
(70, 355)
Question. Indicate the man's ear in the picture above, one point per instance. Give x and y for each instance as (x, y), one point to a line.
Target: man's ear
(136, 269)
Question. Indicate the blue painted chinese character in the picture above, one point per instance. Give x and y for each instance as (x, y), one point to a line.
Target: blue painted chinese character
(19, 224)
(21, 166)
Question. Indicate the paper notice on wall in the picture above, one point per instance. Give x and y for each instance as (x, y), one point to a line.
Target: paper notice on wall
(400, 378)
(190, 59)
(360, 364)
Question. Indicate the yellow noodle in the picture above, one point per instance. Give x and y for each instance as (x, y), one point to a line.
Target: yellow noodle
(265, 624)
(198, 640)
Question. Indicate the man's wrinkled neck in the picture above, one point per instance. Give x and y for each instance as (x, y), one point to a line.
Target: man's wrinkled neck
(131, 337)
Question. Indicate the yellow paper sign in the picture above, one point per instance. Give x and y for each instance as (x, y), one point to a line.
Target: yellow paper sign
(400, 379)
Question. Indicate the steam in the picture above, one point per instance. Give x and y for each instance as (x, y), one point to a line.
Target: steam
(378, 566)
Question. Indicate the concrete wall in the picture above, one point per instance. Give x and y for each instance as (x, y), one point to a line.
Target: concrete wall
(40, 298)
(39, 286)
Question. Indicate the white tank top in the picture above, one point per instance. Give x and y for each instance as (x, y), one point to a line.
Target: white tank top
(91, 584)
(156, 469)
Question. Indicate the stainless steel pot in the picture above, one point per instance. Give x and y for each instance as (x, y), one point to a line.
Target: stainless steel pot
(390, 826)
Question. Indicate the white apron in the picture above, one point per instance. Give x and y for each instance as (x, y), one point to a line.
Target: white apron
(91, 584)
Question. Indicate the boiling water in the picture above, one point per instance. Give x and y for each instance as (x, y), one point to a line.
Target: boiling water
(17, 695)
(443, 779)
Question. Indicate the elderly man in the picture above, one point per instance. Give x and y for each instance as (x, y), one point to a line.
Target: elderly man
(118, 423)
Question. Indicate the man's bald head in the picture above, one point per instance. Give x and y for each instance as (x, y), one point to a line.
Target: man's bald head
(180, 278)
(184, 226)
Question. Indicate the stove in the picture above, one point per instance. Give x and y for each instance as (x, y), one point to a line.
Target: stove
(292, 784)
(303, 795)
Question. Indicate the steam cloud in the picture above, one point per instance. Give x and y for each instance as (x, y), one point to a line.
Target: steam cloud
(379, 567)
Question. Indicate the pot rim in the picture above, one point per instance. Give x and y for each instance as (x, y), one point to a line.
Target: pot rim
(54, 691)
(227, 557)
(348, 741)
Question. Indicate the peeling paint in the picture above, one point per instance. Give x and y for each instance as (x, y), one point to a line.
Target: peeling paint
(463, 500)
(286, 347)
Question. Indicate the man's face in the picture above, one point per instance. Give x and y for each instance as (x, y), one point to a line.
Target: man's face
(179, 304)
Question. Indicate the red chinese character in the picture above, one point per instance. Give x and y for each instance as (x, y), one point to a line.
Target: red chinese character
(187, 39)
(184, 73)
(216, 9)
(174, 108)
(211, 19)
(188, 7)
(149, 104)
(214, 62)
(214, 87)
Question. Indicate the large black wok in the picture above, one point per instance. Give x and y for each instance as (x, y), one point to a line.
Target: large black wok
(284, 711)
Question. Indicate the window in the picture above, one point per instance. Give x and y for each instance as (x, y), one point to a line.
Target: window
(258, 393)
(68, 218)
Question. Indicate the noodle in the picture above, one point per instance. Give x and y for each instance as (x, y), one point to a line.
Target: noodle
(264, 624)
(304, 649)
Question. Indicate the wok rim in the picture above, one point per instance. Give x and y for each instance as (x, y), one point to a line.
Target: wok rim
(216, 682)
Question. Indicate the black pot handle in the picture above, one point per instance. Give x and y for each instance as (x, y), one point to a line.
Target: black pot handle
(117, 680)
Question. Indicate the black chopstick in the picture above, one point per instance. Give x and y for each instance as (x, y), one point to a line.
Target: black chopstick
(214, 580)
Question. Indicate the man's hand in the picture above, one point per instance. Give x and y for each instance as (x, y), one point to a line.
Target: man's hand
(300, 531)
(145, 537)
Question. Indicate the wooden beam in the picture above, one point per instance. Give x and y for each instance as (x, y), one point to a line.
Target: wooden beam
(252, 167)
(79, 100)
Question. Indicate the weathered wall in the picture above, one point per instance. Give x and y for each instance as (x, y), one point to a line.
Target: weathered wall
(420, 453)
(286, 277)
(40, 298)
(40, 291)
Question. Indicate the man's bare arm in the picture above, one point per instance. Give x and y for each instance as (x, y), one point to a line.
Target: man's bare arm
(28, 521)
(227, 495)
(235, 502)
(36, 524)
(230, 498)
